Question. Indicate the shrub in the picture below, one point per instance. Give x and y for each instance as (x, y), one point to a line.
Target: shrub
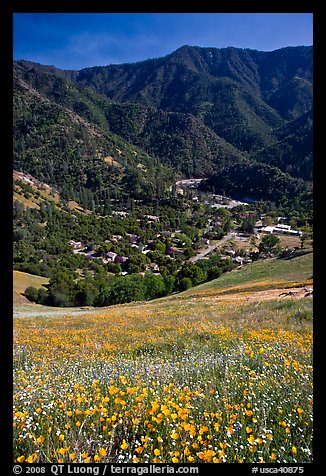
(214, 273)
(184, 284)
(31, 293)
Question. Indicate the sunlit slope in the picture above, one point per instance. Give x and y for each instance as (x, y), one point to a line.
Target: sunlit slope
(21, 281)
(261, 275)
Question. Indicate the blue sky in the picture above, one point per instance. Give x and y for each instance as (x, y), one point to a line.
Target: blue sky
(79, 40)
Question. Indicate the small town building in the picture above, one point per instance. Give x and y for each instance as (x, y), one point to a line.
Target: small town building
(110, 256)
(153, 218)
(280, 230)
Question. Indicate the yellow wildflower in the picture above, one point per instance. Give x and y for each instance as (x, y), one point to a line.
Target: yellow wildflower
(102, 452)
(63, 451)
(186, 451)
(124, 445)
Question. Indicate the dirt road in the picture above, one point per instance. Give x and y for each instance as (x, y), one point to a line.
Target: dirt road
(257, 296)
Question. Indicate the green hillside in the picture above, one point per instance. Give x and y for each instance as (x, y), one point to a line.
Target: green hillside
(266, 274)
(270, 274)
(77, 155)
(197, 111)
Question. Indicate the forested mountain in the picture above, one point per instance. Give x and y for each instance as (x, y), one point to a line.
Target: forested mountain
(129, 128)
(292, 153)
(241, 94)
(178, 139)
(71, 151)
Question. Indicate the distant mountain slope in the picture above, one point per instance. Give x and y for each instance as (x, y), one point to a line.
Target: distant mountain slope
(292, 153)
(195, 112)
(178, 139)
(62, 148)
(239, 93)
(257, 181)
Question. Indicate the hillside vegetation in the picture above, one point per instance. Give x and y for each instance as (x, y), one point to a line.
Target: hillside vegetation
(195, 112)
(266, 274)
(176, 380)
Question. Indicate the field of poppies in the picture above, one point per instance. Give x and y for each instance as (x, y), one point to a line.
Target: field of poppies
(182, 379)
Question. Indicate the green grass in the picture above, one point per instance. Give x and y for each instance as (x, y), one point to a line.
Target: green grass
(265, 274)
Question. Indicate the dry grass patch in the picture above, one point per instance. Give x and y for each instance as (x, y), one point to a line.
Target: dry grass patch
(21, 281)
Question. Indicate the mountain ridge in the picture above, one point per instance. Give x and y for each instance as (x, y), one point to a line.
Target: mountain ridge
(196, 110)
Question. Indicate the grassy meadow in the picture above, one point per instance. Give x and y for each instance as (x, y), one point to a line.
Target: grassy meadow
(190, 378)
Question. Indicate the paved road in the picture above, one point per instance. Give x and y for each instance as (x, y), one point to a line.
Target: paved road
(213, 247)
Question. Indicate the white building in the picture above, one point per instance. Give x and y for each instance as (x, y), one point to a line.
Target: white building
(280, 230)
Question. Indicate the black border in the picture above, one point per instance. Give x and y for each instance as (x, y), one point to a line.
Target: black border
(6, 54)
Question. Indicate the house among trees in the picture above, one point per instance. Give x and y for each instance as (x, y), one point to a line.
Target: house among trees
(173, 251)
(153, 218)
(249, 214)
(238, 259)
(115, 238)
(120, 259)
(120, 214)
(76, 245)
(154, 267)
(133, 239)
(110, 256)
